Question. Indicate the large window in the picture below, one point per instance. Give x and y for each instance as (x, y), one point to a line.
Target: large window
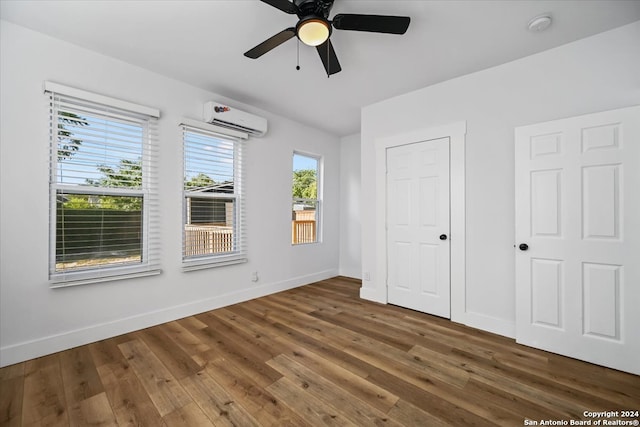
(213, 229)
(305, 212)
(104, 220)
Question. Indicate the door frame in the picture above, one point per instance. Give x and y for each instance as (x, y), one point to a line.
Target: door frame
(456, 133)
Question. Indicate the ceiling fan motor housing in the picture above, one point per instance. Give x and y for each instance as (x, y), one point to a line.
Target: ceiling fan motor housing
(317, 8)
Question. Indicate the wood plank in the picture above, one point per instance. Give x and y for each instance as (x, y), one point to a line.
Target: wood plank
(523, 383)
(12, 371)
(216, 403)
(96, 411)
(174, 358)
(374, 342)
(432, 403)
(129, 400)
(600, 386)
(81, 382)
(323, 348)
(162, 387)
(355, 410)
(188, 416)
(79, 374)
(427, 379)
(315, 411)
(11, 400)
(357, 386)
(410, 415)
(356, 324)
(192, 323)
(250, 332)
(187, 341)
(257, 400)
(107, 352)
(44, 397)
(520, 389)
(239, 348)
(306, 303)
(422, 331)
(517, 405)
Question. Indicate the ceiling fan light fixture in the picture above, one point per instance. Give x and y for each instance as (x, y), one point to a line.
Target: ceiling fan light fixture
(313, 31)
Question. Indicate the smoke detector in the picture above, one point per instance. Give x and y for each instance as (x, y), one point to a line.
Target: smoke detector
(539, 23)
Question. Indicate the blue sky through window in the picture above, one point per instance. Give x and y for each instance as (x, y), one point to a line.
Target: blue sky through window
(301, 162)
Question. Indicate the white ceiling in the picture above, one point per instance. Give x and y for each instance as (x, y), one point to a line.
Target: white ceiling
(202, 43)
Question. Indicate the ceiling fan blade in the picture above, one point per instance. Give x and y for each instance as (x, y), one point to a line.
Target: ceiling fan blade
(284, 5)
(270, 43)
(371, 23)
(329, 58)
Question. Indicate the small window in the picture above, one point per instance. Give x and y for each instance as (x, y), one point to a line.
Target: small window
(213, 221)
(103, 198)
(305, 212)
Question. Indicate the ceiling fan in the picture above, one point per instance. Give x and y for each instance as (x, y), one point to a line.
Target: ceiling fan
(314, 28)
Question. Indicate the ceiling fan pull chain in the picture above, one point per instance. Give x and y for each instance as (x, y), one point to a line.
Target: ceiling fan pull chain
(298, 60)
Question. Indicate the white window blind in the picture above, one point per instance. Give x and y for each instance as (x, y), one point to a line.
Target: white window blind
(104, 214)
(305, 205)
(213, 202)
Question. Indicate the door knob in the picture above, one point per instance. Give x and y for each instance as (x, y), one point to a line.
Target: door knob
(443, 237)
(523, 246)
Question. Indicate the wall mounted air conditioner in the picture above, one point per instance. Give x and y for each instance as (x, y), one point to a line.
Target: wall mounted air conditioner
(229, 117)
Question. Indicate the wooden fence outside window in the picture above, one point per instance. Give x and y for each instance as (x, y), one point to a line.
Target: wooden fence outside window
(203, 239)
(303, 231)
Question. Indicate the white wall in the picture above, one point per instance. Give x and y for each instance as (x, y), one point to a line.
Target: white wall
(594, 74)
(36, 320)
(350, 260)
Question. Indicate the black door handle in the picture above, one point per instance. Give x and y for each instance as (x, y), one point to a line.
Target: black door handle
(443, 237)
(523, 246)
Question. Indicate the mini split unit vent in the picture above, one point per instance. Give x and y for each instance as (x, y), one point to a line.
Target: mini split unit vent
(229, 117)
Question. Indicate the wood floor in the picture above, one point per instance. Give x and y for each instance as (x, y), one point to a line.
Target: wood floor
(312, 356)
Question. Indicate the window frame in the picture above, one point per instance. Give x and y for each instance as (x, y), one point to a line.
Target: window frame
(239, 252)
(317, 201)
(63, 98)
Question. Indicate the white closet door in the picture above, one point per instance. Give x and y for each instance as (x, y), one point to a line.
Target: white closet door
(418, 226)
(578, 237)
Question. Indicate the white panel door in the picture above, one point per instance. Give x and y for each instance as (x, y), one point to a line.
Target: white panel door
(578, 237)
(418, 226)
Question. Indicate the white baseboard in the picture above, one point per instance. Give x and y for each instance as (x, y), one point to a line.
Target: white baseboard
(352, 273)
(20, 352)
(374, 295)
(490, 324)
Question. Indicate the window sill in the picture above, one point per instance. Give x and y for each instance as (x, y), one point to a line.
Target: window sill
(195, 265)
(305, 244)
(86, 278)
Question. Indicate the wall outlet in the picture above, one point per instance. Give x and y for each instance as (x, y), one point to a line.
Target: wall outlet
(254, 276)
(366, 275)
